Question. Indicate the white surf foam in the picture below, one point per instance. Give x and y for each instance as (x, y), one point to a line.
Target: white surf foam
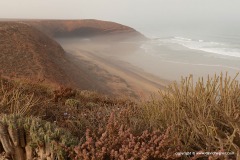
(207, 46)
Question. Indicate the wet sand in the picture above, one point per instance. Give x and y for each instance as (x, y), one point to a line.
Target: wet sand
(175, 62)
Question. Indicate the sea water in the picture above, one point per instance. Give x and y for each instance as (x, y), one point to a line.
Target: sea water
(223, 46)
(196, 53)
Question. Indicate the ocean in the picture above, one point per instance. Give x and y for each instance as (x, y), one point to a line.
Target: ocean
(174, 55)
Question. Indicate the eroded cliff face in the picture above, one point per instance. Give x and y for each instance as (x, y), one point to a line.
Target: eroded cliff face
(86, 28)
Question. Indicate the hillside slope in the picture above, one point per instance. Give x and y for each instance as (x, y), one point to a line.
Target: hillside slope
(25, 52)
(28, 54)
(85, 28)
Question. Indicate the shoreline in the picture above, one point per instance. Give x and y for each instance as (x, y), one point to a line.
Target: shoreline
(120, 76)
(173, 62)
(146, 73)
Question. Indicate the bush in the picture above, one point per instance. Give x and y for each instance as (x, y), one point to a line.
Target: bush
(114, 141)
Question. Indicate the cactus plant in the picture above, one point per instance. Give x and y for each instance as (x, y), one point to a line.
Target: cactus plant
(28, 138)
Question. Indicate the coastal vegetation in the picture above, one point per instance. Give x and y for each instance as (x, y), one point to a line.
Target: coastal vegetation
(191, 117)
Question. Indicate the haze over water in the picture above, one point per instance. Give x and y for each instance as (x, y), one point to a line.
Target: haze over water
(186, 36)
(198, 38)
(174, 53)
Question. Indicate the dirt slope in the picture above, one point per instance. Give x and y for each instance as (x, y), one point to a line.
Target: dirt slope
(28, 54)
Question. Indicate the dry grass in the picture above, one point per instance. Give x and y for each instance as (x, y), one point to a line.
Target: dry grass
(205, 115)
(13, 99)
(195, 117)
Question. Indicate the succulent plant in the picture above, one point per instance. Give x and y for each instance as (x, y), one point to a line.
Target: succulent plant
(72, 103)
(28, 138)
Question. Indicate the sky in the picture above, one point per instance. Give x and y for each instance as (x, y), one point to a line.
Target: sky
(139, 14)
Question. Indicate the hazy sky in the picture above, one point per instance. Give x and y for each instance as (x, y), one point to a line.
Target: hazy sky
(140, 14)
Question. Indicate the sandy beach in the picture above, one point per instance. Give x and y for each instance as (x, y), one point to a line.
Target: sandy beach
(128, 69)
(120, 76)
